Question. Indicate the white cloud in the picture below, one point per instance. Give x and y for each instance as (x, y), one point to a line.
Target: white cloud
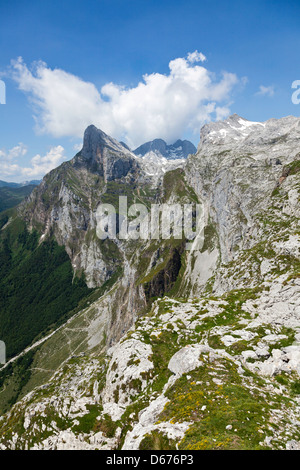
(77, 147)
(40, 165)
(196, 57)
(9, 170)
(18, 151)
(266, 90)
(159, 106)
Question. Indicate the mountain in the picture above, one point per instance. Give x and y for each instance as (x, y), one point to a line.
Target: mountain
(31, 182)
(4, 184)
(12, 196)
(164, 346)
(180, 149)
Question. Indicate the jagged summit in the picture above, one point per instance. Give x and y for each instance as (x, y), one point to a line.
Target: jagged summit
(234, 127)
(236, 134)
(105, 156)
(237, 127)
(180, 149)
(95, 140)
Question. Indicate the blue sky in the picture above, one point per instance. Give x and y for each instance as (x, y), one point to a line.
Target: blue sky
(67, 64)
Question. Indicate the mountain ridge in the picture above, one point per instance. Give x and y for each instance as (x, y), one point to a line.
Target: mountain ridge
(180, 149)
(18, 185)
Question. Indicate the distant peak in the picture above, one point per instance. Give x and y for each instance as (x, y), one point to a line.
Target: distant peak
(234, 127)
(236, 116)
(180, 149)
(152, 146)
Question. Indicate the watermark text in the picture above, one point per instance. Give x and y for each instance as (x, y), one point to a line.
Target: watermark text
(160, 221)
(296, 94)
(2, 353)
(2, 92)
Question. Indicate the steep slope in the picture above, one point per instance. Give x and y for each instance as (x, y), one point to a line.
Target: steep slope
(213, 362)
(245, 184)
(65, 203)
(157, 158)
(63, 211)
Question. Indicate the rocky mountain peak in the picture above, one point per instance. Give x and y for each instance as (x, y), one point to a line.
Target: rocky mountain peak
(155, 145)
(238, 136)
(234, 127)
(105, 156)
(180, 149)
(95, 141)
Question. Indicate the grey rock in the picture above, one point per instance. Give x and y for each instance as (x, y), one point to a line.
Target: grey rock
(106, 155)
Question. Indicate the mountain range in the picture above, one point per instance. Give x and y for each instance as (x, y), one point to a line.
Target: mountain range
(4, 184)
(146, 344)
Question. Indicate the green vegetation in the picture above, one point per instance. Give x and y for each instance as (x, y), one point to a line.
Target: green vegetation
(37, 288)
(164, 347)
(88, 422)
(4, 218)
(210, 237)
(224, 401)
(293, 168)
(157, 441)
(295, 387)
(175, 184)
(227, 416)
(11, 197)
(18, 374)
(106, 425)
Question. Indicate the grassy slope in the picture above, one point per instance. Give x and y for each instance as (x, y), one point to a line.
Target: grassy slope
(36, 286)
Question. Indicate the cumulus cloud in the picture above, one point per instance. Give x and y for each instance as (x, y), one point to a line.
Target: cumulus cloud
(42, 165)
(161, 105)
(39, 165)
(9, 170)
(18, 151)
(77, 147)
(266, 90)
(196, 57)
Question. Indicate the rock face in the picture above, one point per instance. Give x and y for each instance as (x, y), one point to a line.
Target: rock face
(65, 203)
(106, 156)
(213, 362)
(257, 137)
(166, 277)
(237, 172)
